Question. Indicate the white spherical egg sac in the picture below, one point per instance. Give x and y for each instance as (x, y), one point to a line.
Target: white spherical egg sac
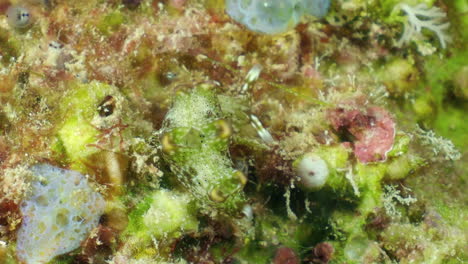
(312, 171)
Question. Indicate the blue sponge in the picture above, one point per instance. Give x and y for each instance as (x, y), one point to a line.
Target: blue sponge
(274, 16)
(58, 215)
(317, 8)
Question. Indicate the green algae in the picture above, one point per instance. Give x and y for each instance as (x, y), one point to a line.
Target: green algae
(449, 120)
(163, 215)
(111, 22)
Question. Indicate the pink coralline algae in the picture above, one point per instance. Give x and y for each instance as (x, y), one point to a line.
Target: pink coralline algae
(372, 130)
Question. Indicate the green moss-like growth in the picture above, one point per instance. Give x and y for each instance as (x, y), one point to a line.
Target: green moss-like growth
(452, 124)
(422, 243)
(399, 76)
(447, 89)
(8, 47)
(111, 22)
(7, 254)
(163, 215)
(169, 215)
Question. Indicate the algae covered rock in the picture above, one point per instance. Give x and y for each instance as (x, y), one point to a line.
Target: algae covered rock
(169, 214)
(164, 215)
(237, 131)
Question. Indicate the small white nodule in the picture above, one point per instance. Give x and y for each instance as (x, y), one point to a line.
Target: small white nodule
(247, 210)
(313, 171)
(18, 17)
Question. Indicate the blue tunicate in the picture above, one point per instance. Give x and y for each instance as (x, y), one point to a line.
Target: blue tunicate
(274, 16)
(317, 8)
(265, 16)
(58, 214)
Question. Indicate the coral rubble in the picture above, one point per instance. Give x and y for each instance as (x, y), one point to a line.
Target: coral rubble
(237, 131)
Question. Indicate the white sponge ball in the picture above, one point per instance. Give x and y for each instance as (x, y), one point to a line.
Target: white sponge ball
(312, 171)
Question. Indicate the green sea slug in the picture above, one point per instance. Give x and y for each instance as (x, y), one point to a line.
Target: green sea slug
(195, 141)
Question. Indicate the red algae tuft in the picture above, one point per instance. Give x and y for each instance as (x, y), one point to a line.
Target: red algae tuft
(285, 255)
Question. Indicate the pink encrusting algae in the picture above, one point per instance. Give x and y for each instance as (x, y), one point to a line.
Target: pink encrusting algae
(373, 130)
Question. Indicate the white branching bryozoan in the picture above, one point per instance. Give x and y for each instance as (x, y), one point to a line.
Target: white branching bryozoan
(420, 17)
(439, 145)
(392, 197)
